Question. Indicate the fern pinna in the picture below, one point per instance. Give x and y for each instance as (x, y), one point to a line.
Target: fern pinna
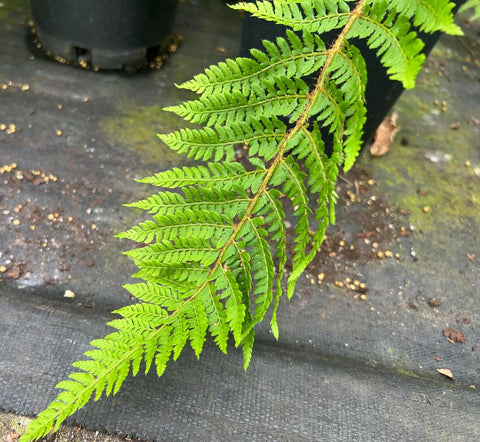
(213, 254)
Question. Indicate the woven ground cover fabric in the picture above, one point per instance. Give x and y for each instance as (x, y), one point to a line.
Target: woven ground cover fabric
(350, 364)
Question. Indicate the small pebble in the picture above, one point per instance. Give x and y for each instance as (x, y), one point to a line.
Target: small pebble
(434, 302)
(69, 294)
(11, 129)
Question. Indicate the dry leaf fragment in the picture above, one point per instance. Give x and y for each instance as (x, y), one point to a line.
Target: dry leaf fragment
(384, 136)
(445, 372)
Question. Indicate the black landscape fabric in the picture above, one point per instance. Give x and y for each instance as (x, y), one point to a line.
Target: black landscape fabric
(392, 298)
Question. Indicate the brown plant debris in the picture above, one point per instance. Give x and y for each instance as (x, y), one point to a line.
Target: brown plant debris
(434, 302)
(454, 336)
(384, 136)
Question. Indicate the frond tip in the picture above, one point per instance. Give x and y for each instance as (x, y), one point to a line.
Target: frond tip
(214, 253)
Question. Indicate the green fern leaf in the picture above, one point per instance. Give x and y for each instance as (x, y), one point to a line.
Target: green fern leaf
(214, 252)
(427, 16)
(293, 56)
(216, 175)
(280, 97)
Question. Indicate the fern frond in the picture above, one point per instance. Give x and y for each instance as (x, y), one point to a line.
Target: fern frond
(474, 6)
(214, 253)
(217, 318)
(274, 217)
(156, 294)
(184, 249)
(227, 202)
(427, 16)
(384, 24)
(216, 175)
(227, 285)
(262, 135)
(278, 97)
(294, 56)
(316, 16)
(188, 223)
(396, 43)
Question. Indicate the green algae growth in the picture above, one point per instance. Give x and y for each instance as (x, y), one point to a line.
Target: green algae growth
(136, 130)
(8, 6)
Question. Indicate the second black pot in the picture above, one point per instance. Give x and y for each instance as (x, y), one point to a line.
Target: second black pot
(104, 34)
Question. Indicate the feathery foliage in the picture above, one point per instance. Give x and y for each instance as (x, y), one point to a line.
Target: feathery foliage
(474, 7)
(213, 254)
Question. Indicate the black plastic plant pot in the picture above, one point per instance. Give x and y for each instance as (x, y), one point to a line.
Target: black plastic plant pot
(381, 93)
(104, 34)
